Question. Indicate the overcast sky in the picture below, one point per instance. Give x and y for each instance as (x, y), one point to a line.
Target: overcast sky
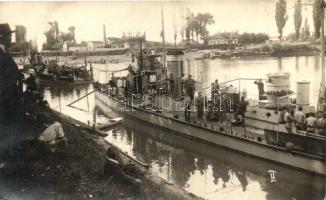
(140, 16)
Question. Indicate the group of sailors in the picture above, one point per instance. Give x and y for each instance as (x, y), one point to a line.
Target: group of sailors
(179, 88)
(314, 123)
(151, 83)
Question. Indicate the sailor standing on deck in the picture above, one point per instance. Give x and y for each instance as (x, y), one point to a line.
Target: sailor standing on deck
(200, 106)
(311, 123)
(322, 125)
(299, 118)
(187, 106)
(171, 85)
(261, 90)
(190, 87)
(288, 120)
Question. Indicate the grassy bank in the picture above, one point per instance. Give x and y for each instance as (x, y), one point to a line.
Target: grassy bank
(288, 49)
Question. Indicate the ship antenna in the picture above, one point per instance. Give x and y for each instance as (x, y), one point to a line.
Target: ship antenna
(322, 43)
(140, 54)
(163, 40)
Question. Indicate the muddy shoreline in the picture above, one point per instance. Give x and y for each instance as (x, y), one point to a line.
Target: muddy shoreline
(77, 172)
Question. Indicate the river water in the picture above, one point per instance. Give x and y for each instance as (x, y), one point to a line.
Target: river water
(203, 169)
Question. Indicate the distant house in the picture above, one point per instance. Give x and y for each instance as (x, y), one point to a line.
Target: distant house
(132, 43)
(218, 40)
(273, 40)
(188, 42)
(77, 47)
(65, 46)
(93, 45)
(153, 44)
(111, 40)
(74, 47)
(59, 46)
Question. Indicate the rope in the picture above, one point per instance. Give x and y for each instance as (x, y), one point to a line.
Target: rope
(81, 98)
(111, 71)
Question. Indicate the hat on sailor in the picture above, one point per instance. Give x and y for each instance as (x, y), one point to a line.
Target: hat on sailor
(5, 30)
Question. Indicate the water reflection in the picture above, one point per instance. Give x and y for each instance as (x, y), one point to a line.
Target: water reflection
(211, 172)
(301, 68)
(317, 61)
(279, 62)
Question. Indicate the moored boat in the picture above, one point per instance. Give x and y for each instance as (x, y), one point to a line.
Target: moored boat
(111, 123)
(260, 131)
(234, 138)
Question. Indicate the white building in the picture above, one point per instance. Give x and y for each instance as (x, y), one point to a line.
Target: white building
(74, 47)
(93, 45)
(221, 40)
(77, 47)
(65, 46)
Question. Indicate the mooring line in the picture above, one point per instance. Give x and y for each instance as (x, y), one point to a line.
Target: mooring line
(82, 97)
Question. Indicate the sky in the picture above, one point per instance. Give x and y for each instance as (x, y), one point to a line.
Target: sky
(145, 16)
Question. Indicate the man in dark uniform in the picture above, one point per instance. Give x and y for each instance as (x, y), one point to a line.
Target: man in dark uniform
(261, 90)
(9, 75)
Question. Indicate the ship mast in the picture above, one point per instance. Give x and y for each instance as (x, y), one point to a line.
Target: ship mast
(322, 55)
(163, 40)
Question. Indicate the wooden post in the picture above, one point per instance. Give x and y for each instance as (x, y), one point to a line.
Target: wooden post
(94, 119)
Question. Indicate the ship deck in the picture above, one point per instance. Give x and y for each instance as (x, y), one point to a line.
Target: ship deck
(251, 132)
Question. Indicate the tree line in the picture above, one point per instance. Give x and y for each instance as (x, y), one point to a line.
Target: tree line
(300, 31)
(196, 27)
(55, 38)
(21, 44)
(243, 38)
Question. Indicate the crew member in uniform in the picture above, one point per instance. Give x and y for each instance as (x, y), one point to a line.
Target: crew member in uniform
(9, 80)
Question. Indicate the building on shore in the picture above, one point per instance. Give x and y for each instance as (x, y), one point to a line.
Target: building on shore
(93, 45)
(128, 42)
(219, 40)
(74, 47)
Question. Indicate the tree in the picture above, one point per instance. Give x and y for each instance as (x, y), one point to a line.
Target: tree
(317, 14)
(252, 38)
(71, 30)
(305, 32)
(55, 40)
(280, 16)
(56, 29)
(51, 35)
(204, 19)
(196, 27)
(182, 33)
(20, 34)
(297, 18)
(188, 24)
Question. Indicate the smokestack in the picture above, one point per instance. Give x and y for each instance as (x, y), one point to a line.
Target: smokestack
(104, 35)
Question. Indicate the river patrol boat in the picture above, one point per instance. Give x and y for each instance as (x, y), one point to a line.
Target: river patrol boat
(50, 72)
(263, 134)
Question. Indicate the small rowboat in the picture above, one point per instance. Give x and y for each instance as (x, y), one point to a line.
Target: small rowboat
(111, 123)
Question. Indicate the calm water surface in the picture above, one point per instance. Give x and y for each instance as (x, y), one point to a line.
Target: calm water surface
(203, 169)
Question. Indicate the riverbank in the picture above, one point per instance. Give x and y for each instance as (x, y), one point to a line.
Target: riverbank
(248, 52)
(74, 173)
(263, 50)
